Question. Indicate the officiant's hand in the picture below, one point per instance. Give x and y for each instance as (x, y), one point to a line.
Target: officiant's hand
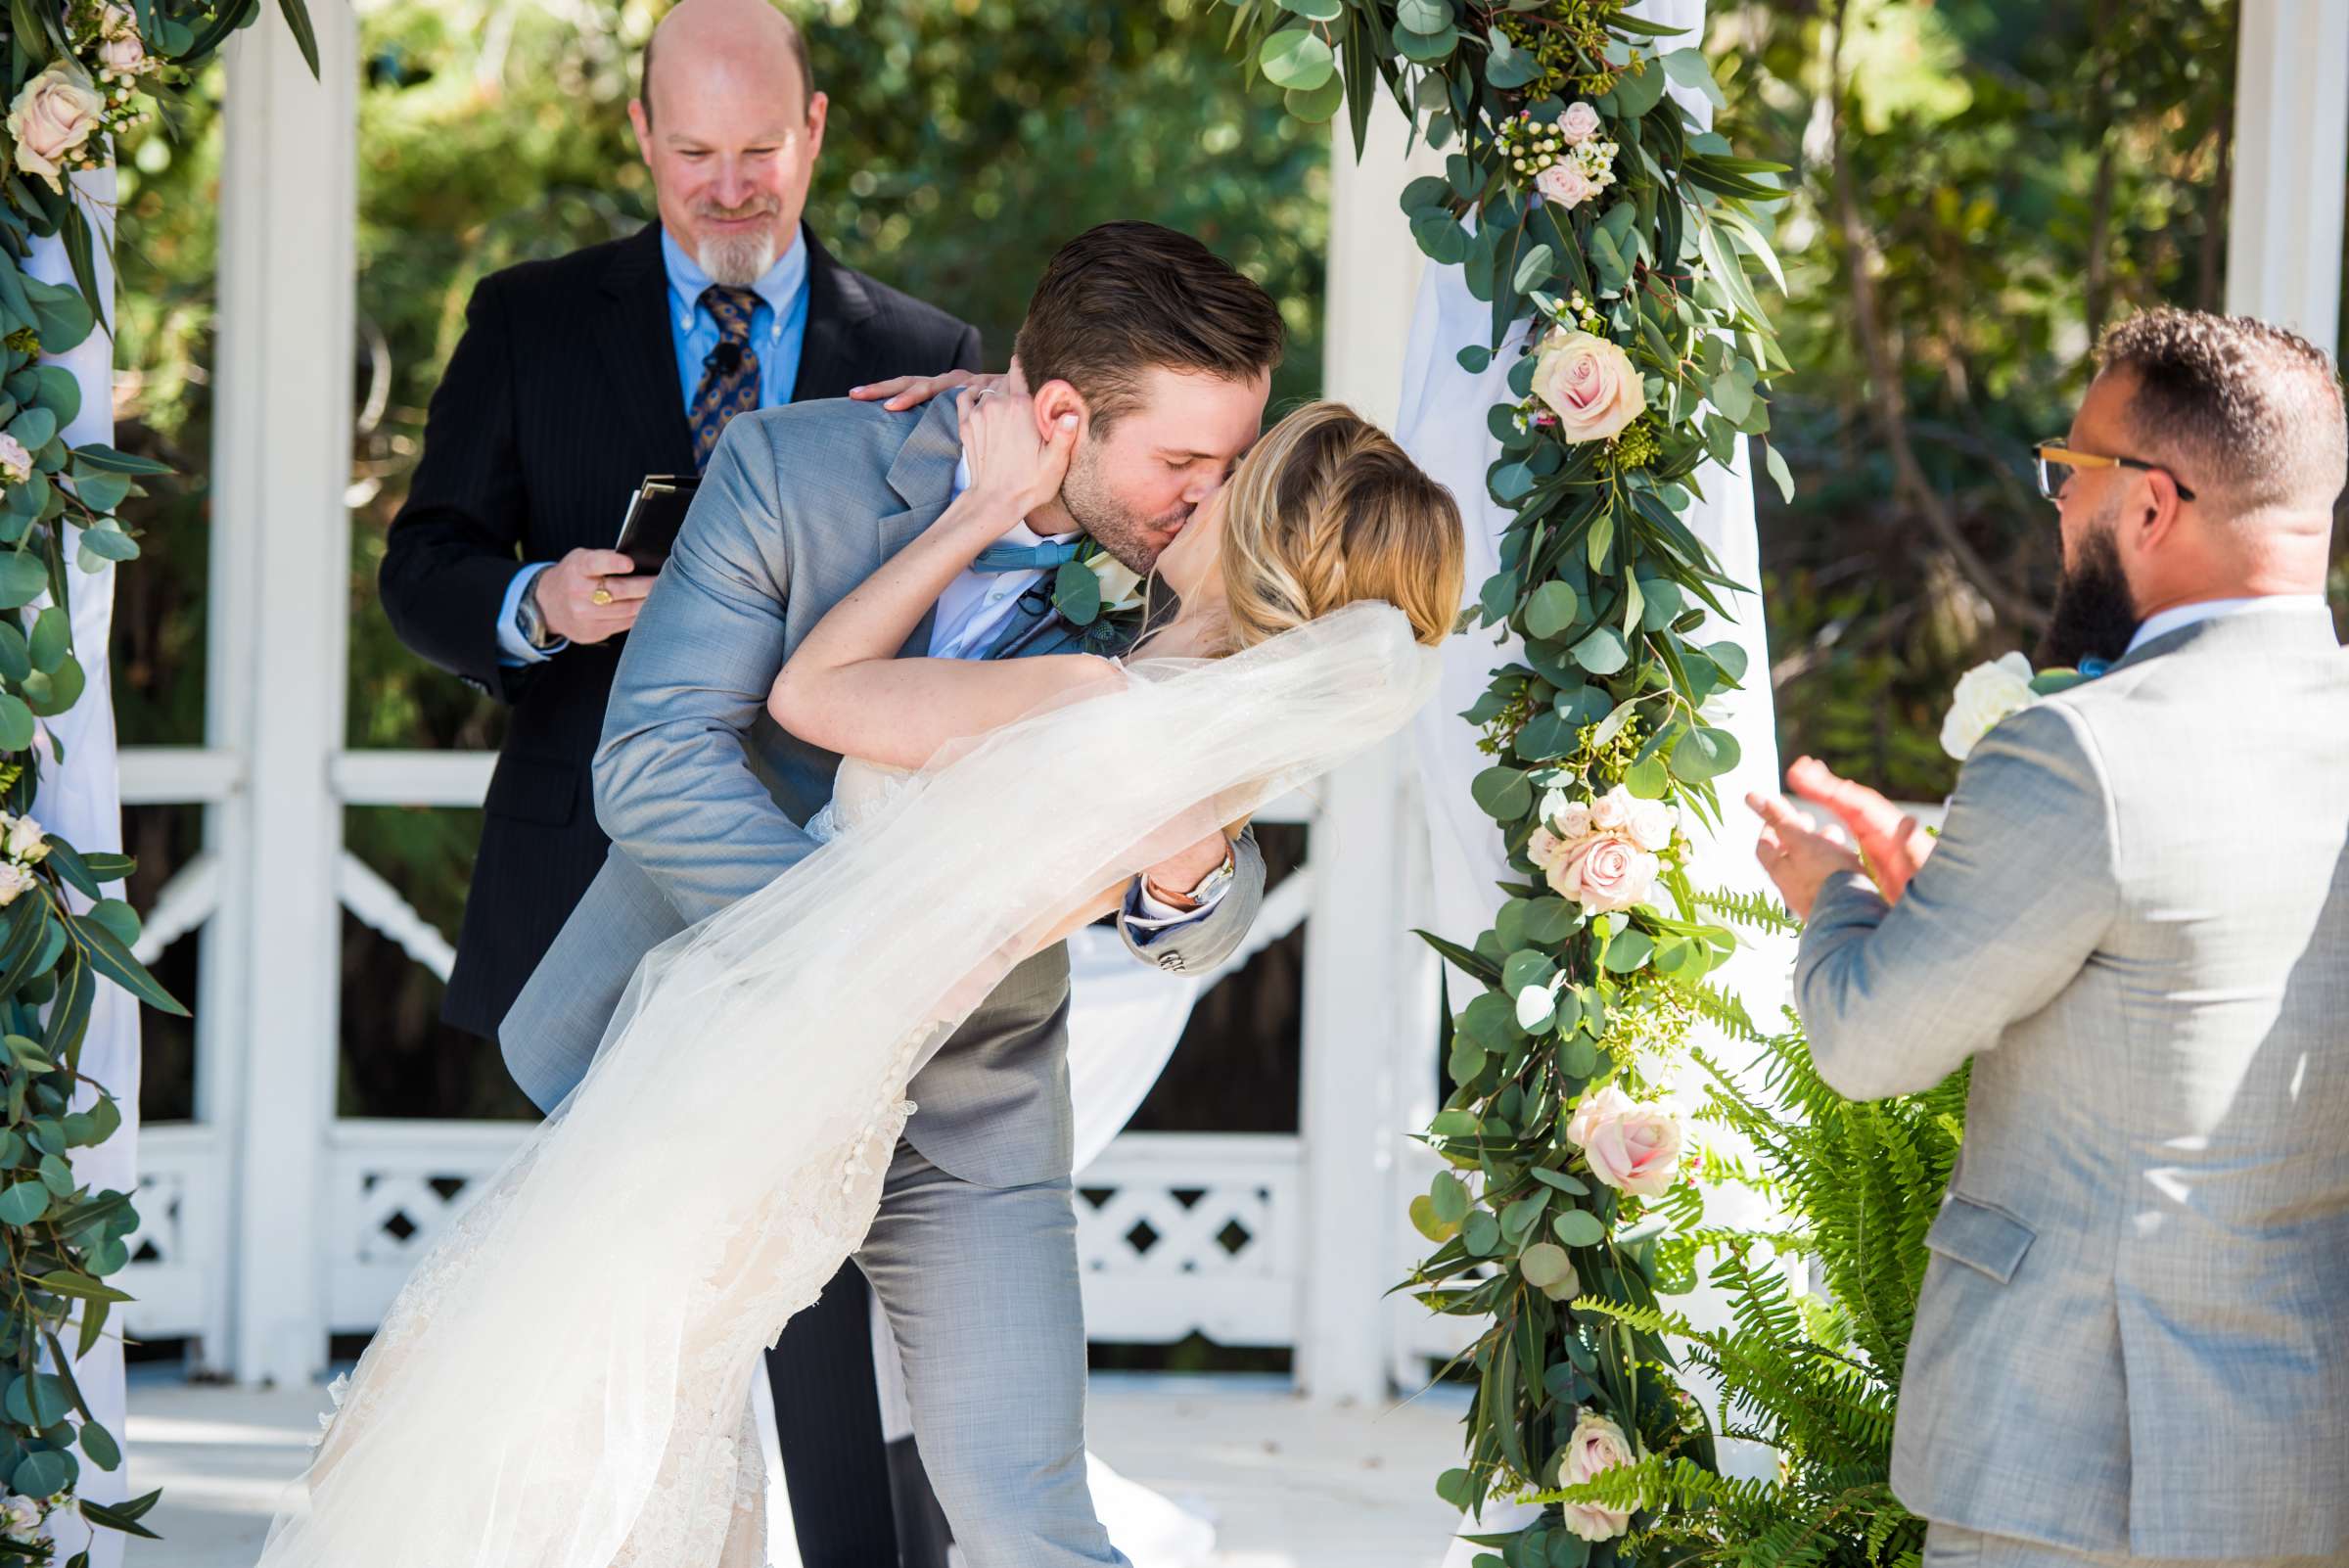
(1798, 857)
(566, 595)
(912, 392)
(1893, 842)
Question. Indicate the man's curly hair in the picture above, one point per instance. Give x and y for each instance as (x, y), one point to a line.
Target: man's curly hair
(2234, 406)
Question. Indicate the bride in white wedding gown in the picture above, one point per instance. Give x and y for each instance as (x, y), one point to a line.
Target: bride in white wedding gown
(564, 1380)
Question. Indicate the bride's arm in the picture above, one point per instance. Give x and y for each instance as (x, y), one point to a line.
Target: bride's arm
(843, 687)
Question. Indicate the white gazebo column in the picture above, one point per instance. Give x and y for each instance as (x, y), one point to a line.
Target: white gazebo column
(1366, 1007)
(2291, 158)
(279, 602)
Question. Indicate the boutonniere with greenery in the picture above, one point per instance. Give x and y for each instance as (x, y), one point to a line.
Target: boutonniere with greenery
(1101, 596)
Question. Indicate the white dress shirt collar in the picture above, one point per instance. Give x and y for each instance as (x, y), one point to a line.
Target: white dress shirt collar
(2179, 617)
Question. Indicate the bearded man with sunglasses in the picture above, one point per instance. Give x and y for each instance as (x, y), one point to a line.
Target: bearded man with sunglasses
(2135, 925)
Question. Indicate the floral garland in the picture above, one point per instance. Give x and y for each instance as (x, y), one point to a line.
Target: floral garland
(79, 74)
(1587, 207)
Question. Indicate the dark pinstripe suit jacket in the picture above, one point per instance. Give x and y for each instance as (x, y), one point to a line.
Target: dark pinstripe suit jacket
(561, 396)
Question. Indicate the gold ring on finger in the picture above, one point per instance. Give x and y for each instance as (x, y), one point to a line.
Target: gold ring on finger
(601, 596)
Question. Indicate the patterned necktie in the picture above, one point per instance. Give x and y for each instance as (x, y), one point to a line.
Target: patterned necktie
(730, 373)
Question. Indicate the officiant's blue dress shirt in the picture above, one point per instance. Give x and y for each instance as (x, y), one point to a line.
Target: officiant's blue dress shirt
(778, 331)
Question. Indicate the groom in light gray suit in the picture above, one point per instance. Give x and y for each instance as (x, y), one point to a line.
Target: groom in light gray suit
(2133, 1341)
(1164, 354)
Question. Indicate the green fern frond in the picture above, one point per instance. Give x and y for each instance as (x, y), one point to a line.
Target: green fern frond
(1756, 911)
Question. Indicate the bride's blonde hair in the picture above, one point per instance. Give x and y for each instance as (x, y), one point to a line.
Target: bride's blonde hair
(1326, 511)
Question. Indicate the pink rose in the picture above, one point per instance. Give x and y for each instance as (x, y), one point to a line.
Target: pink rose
(1566, 184)
(1652, 823)
(16, 463)
(1598, 1445)
(1545, 847)
(55, 114)
(1572, 820)
(1611, 812)
(123, 55)
(1603, 873)
(1632, 1147)
(1591, 383)
(1579, 124)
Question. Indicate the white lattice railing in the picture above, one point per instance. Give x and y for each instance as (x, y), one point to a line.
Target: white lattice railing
(1175, 1233)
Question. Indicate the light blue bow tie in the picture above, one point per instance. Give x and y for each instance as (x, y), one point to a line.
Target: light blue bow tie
(1023, 557)
(2091, 668)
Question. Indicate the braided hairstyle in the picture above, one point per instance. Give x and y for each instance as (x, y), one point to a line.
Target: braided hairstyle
(1326, 511)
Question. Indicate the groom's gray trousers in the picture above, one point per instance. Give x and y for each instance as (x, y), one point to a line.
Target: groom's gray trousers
(703, 795)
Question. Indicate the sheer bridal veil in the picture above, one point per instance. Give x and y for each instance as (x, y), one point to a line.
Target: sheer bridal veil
(562, 1384)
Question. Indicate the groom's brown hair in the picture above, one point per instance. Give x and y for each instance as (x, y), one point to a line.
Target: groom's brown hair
(1124, 297)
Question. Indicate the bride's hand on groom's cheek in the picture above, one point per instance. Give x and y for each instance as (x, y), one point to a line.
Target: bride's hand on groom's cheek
(901, 393)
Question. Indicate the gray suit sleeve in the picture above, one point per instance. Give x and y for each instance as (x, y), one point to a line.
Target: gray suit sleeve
(2016, 896)
(673, 786)
(1195, 947)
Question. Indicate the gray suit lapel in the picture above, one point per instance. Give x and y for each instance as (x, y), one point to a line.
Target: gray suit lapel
(923, 477)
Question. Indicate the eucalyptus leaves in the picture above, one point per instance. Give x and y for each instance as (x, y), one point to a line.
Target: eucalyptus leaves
(1611, 236)
(77, 72)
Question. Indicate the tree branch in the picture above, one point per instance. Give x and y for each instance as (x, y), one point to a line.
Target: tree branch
(1884, 398)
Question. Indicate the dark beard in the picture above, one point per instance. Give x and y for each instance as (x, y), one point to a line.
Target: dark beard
(2094, 616)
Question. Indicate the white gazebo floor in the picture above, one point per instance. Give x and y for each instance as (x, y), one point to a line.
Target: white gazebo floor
(1288, 1481)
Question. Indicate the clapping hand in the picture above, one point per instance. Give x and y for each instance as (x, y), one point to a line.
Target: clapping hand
(1893, 842)
(1800, 858)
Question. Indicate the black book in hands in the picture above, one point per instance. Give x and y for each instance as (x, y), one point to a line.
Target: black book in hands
(655, 514)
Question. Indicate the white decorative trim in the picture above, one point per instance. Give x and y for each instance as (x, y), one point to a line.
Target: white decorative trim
(186, 902)
(378, 904)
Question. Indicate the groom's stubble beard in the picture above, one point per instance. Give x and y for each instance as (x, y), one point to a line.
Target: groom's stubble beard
(2095, 614)
(1095, 507)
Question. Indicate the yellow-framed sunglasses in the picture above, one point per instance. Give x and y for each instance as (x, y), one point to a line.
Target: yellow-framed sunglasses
(2051, 456)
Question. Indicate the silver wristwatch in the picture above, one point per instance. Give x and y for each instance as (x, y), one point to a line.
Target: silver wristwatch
(1214, 883)
(530, 620)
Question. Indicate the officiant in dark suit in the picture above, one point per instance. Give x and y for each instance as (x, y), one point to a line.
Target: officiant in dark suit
(577, 378)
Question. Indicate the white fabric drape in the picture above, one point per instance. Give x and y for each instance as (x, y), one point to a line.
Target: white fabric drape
(1442, 425)
(81, 802)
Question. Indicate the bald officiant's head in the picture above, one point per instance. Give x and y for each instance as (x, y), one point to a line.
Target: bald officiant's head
(729, 122)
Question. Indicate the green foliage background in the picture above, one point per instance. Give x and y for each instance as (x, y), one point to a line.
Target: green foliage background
(2018, 171)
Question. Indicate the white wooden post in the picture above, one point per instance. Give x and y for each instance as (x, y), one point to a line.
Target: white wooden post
(2291, 158)
(280, 594)
(1361, 990)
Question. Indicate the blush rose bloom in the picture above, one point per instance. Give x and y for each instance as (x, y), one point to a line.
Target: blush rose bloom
(1565, 184)
(1579, 124)
(1632, 1147)
(1590, 383)
(1598, 1445)
(1985, 694)
(57, 111)
(1649, 825)
(1605, 871)
(16, 463)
